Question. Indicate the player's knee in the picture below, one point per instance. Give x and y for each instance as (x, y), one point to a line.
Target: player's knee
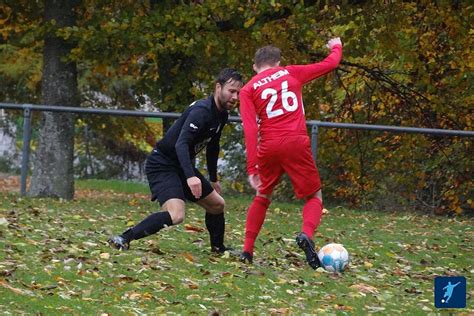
(177, 216)
(265, 196)
(318, 194)
(219, 206)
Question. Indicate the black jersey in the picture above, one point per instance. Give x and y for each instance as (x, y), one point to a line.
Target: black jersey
(198, 127)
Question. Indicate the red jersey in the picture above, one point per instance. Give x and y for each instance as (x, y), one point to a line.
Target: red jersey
(273, 97)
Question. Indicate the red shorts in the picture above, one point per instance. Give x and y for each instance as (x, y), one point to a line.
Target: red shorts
(291, 155)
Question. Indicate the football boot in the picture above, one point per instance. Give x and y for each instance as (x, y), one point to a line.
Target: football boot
(307, 245)
(118, 242)
(246, 257)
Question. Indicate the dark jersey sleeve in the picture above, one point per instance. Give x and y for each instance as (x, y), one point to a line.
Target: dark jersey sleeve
(189, 132)
(212, 155)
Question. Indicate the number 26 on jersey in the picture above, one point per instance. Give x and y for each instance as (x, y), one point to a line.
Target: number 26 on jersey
(286, 96)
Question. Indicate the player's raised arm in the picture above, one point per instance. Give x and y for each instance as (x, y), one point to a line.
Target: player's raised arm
(306, 73)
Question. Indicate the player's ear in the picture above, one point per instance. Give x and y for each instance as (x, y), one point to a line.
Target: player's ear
(218, 87)
(255, 68)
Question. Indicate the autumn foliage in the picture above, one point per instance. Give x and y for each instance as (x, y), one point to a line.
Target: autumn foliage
(405, 63)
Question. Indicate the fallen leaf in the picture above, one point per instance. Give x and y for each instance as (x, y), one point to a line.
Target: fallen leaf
(105, 255)
(343, 307)
(364, 288)
(193, 297)
(191, 228)
(4, 284)
(188, 257)
(134, 296)
(375, 308)
(413, 290)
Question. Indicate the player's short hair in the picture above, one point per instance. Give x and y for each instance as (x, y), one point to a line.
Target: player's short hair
(267, 56)
(228, 74)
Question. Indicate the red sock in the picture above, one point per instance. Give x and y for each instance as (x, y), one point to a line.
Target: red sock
(312, 211)
(255, 217)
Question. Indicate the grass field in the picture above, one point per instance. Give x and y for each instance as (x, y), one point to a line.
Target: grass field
(54, 260)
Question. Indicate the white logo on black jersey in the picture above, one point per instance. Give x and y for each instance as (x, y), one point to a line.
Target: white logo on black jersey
(193, 126)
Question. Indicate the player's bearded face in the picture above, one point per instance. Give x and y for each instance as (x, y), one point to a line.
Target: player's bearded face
(228, 94)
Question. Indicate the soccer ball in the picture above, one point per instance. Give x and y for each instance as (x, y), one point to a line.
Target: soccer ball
(334, 257)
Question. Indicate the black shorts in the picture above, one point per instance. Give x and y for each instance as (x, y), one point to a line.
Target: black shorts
(167, 180)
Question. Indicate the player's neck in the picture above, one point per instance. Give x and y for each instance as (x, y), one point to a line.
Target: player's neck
(265, 67)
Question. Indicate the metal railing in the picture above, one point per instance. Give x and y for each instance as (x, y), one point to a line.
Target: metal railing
(27, 108)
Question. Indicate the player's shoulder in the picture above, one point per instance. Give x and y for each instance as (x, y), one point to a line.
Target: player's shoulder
(201, 105)
(249, 86)
(246, 88)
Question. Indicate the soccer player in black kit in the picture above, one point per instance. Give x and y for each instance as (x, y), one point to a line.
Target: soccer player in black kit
(171, 174)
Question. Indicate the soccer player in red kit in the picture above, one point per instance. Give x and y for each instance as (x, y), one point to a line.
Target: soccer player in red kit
(277, 142)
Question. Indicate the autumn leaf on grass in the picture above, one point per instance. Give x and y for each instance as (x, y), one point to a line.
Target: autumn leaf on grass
(342, 307)
(4, 284)
(368, 264)
(89, 244)
(364, 288)
(398, 272)
(134, 296)
(105, 255)
(279, 311)
(375, 308)
(191, 284)
(413, 290)
(193, 229)
(188, 257)
(125, 278)
(133, 202)
(193, 297)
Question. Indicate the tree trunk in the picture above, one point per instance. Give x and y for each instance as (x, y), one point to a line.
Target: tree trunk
(53, 174)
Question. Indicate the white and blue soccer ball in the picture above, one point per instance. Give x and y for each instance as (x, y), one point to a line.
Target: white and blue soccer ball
(334, 257)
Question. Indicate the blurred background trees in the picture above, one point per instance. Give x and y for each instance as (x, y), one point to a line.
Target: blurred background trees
(405, 64)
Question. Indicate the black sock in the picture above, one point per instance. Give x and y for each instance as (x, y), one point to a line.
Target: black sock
(150, 225)
(215, 224)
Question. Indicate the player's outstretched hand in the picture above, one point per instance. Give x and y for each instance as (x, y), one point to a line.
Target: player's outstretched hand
(254, 181)
(217, 186)
(194, 183)
(333, 42)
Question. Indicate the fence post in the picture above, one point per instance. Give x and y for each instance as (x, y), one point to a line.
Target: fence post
(25, 156)
(314, 140)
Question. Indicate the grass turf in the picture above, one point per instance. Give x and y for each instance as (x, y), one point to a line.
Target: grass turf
(54, 259)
